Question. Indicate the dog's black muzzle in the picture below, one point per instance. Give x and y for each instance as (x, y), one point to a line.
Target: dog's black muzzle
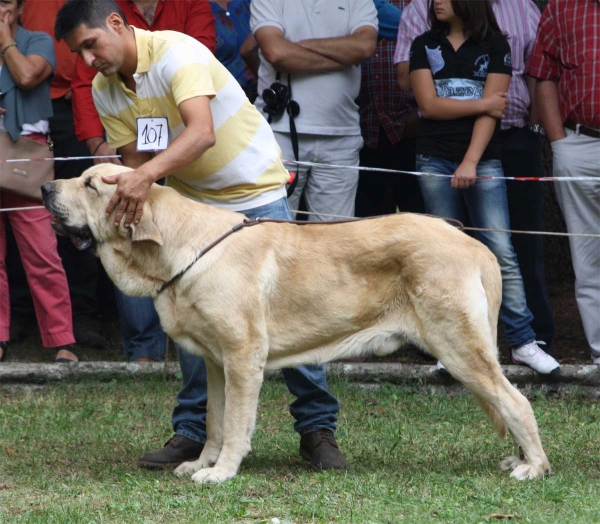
(81, 236)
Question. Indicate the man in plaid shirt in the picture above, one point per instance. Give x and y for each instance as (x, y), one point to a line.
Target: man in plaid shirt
(566, 61)
(388, 120)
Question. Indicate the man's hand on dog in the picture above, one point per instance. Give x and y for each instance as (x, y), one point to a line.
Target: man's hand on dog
(128, 200)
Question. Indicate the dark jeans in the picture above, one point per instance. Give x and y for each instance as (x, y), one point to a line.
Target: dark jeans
(521, 156)
(82, 268)
(383, 193)
(484, 203)
(315, 408)
(141, 332)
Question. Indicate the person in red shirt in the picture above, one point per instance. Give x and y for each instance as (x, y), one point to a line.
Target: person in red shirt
(566, 62)
(82, 268)
(192, 17)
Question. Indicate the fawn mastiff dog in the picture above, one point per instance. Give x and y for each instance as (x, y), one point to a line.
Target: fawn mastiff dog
(279, 295)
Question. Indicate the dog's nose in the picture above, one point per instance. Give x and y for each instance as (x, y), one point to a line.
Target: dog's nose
(47, 189)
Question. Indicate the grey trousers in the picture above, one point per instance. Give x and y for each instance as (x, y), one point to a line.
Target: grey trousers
(326, 190)
(574, 156)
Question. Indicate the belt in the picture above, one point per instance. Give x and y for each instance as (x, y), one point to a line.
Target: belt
(583, 130)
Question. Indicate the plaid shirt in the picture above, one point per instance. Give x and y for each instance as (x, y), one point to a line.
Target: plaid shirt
(382, 104)
(567, 51)
(519, 19)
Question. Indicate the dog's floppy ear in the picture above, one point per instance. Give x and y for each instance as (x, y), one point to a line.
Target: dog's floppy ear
(146, 229)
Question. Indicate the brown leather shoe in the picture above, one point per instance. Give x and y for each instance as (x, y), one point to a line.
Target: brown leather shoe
(142, 360)
(321, 450)
(177, 449)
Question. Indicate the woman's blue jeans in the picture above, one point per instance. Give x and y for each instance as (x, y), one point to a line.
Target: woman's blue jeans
(484, 205)
(314, 408)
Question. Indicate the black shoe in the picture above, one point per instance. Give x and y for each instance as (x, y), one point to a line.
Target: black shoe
(4, 348)
(177, 450)
(63, 360)
(321, 450)
(88, 332)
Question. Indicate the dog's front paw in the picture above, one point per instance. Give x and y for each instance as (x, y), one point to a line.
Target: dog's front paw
(187, 469)
(528, 472)
(510, 463)
(212, 476)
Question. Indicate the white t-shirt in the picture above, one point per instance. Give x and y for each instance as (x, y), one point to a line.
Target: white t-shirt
(326, 100)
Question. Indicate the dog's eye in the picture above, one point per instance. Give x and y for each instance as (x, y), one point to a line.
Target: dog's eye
(88, 183)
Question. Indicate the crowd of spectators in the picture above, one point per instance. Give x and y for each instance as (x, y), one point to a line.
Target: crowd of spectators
(347, 83)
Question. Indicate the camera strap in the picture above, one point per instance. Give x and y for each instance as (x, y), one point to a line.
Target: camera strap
(294, 137)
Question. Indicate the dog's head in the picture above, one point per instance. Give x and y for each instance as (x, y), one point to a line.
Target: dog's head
(78, 208)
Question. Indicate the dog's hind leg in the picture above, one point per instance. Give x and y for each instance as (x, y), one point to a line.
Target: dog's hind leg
(243, 380)
(214, 421)
(469, 360)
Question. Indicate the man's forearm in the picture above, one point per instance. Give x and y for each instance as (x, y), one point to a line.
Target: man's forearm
(402, 69)
(293, 58)
(93, 143)
(249, 53)
(549, 108)
(534, 113)
(182, 152)
(348, 50)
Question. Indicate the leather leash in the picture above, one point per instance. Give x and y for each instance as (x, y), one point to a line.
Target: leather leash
(249, 222)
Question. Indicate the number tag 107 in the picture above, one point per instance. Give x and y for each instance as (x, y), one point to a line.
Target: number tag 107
(152, 134)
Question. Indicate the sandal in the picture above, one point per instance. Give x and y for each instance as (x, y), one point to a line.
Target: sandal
(63, 360)
(4, 348)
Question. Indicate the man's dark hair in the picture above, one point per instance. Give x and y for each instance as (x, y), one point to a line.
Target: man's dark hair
(477, 17)
(92, 13)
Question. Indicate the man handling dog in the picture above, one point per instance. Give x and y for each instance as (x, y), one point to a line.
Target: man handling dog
(173, 110)
(259, 296)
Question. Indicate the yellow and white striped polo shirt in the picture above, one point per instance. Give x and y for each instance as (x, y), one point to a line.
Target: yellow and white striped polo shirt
(243, 169)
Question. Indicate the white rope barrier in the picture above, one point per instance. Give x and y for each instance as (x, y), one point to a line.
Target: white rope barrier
(359, 168)
(515, 231)
(337, 166)
(424, 174)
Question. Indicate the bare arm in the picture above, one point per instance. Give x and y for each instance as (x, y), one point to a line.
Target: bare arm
(27, 71)
(288, 57)
(249, 52)
(133, 158)
(549, 108)
(437, 108)
(348, 50)
(404, 77)
(133, 187)
(483, 131)
(534, 113)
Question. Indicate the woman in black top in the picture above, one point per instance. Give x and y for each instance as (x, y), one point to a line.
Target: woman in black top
(460, 74)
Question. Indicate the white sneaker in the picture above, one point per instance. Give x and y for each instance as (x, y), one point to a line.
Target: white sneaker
(441, 369)
(536, 358)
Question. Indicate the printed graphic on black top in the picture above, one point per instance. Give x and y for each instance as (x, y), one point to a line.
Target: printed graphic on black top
(482, 64)
(436, 61)
(460, 75)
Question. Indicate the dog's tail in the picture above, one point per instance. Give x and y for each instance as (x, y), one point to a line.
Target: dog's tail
(493, 415)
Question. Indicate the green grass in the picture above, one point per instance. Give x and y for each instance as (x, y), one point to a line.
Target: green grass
(68, 454)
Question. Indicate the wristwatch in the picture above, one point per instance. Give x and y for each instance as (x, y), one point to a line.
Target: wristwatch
(538, 129)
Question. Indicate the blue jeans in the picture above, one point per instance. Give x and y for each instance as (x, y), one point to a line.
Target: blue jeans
(484, 205)
(141, 332)
(314, 408)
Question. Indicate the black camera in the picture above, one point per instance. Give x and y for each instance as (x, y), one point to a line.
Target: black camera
(277, 100)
